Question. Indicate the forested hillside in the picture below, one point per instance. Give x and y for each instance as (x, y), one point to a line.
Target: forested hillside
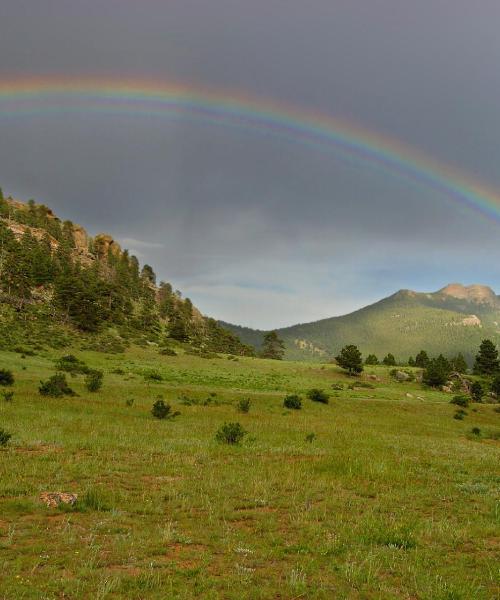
(454, 319)
(58, 284)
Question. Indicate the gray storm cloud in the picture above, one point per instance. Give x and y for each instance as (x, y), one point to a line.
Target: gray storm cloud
(258, 230)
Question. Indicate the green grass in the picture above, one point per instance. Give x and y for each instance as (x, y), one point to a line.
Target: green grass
(392, 498)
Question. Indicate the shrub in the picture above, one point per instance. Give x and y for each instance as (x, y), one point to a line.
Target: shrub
(350, 359)
(437, 372)
(6, 377)
(56, 386)
(230, 433)
(475, 431)
(4, 437)
(337, 386)
(317, 395)
(153, 375)
(93, 380)
(460, 401)
(293, 401)
(310, 437)
(129, 402)
(168, 352)
(477, 391)
(161, 410)
(71, 364)
(8, 396)
(361, 384)
(459, 415)
(244, 405)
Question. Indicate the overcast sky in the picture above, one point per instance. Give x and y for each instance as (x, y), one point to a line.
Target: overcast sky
(256, 230)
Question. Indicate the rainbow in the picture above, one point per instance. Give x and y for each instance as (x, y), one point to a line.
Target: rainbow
(35, 96)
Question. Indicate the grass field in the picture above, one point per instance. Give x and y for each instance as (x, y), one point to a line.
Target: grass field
(392, 498)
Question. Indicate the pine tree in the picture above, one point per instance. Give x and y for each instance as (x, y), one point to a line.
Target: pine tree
(422, 359)
(437, 371)
(350, 359)
(371, 359)
(389, 360)
(459, 364)
(487, 362)
(272, 346)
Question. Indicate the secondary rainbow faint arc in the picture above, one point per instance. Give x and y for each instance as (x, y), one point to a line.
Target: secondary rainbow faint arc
(32, 96)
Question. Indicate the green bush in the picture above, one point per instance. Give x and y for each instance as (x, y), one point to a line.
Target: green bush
(153, 375)
(168, 352)
(8, 396)
(459, 415)
(293, 401)
(475, 431)
(337, 386)
(129, 402)
(71, 364)
(317, 395)
(310, 437)
(161, 410)
(230, 433)
(460, 401)
(6, 377)
(244, 405)
(4, 437)
(93, 380)
(56, 386)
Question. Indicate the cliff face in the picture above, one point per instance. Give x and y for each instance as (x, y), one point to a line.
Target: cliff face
(102, 243)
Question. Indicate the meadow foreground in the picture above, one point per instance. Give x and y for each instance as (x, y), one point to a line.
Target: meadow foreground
(380, 494)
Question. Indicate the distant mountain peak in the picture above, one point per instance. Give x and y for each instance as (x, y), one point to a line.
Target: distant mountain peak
(482, 294)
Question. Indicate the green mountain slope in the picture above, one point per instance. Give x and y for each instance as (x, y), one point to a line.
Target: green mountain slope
(454, 319)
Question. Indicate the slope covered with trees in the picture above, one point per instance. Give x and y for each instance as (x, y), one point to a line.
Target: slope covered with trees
(452, 320)
(57, 282)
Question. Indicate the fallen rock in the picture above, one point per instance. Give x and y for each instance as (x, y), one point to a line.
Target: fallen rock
(54, 499)
(401, 376)
(446, 388)
(408, 395)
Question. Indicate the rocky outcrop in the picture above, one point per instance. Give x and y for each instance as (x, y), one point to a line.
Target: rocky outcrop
(104, 244)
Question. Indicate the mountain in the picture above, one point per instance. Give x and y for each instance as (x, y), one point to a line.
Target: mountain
(454, 319)
(59, 285)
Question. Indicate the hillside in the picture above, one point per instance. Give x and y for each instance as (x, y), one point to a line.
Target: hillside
(453, 319)
(59, 285)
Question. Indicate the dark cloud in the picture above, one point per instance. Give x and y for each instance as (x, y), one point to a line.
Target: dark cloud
(260, 230)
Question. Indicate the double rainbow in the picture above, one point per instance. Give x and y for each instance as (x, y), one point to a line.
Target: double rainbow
(34, 96)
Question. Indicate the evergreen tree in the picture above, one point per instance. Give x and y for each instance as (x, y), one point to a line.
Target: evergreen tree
(389, 360)
(477, 391)
(459, 364)
(495, 385)
(487, 362)
(350, 359)
(437, 371)
(411, 361)
(272, 347)
(422, 359)
(371, 359)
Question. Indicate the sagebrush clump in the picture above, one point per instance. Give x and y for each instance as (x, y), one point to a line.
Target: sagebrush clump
(244, 405)
(4, 437)
(162, 410)
(293, 401)
(230, 433)
(6, 377)
(317, 395)
(94, 380)
(56, 386)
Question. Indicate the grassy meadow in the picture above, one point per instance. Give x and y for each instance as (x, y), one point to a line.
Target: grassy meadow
(380, 494)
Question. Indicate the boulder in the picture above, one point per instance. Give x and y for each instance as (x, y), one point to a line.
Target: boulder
(401, 376)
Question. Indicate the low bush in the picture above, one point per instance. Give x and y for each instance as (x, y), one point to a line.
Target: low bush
(8, 396)
(459, 415)
(4, 437)
(71, 364)
(337, 386)
(93, 380)
(460, 401)
(168, 352)
(230, 433)
(293, 401)
(6, 377)
(477, 391)
(244, 405)
(56, 386)
(475, 431)
(317, 395)
(153, 375)
(129, 402)
(310, 437)
(161, 410)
